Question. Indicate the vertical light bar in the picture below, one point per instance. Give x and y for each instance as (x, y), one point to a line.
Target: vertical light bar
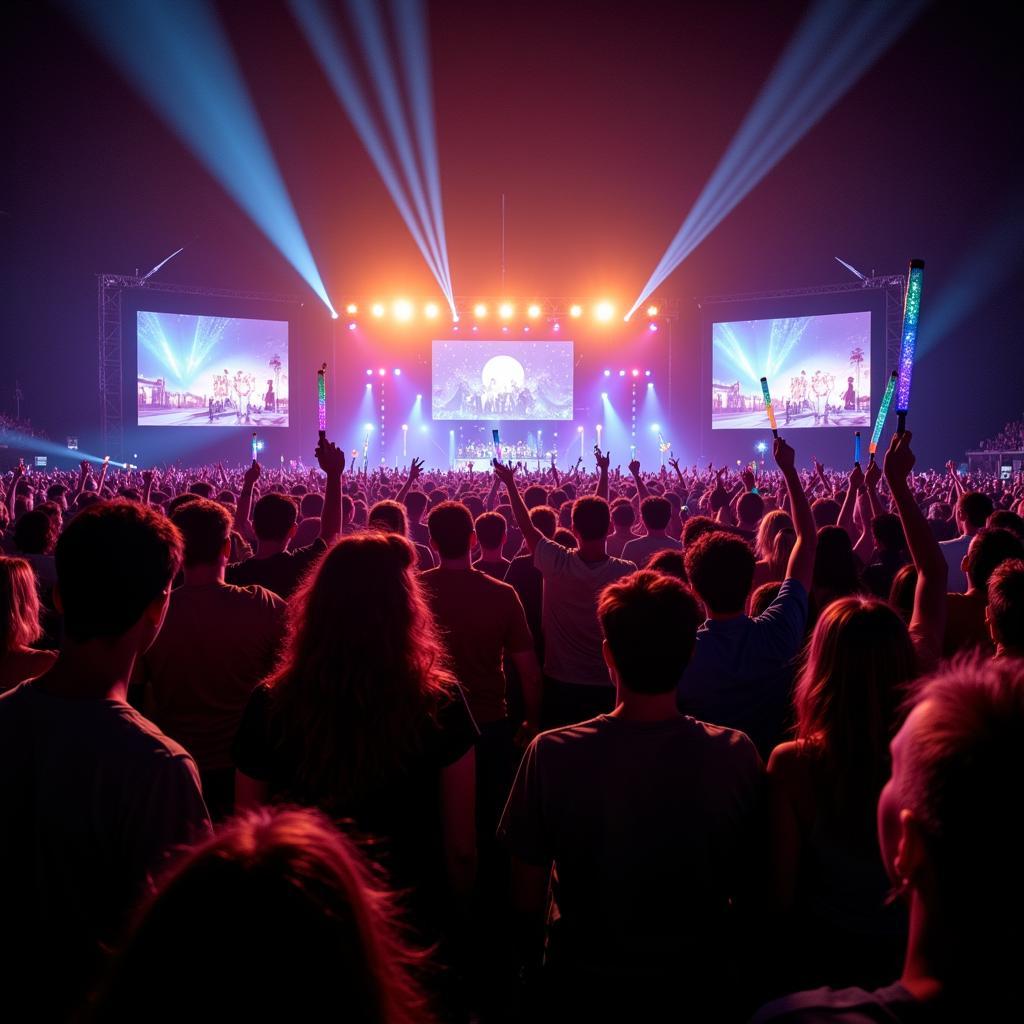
(856, 448)
(908, 339)
(255, 447)
(883, 411)
(321, 401)
(768, 406)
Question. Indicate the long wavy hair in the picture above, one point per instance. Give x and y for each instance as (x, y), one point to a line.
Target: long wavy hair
(19, 605)
(291, 917)
(855, 678)
(362, 669)
(772, 523)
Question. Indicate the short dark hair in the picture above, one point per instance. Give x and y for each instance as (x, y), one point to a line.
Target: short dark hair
(975, 508)
(565, 538)
(273, 516)
(450, 526)
(557, 497)
(415, 503)
(205, 527)
(180, 499)
(203, 488)
(763, 597)
(312, 504)
(388, 515)
(671, 563)
(113, 560)
(622, 512)
(1006, 603)
(887, 529)
(591, 517)
(990, 547)
(490, 529)
(750, 507)
(544, 519)
(650, 622)
(534, 495)
(696, 527)
(1007, 520)
(826, 512)
(35, 533)
(721, 569)
(655, 512)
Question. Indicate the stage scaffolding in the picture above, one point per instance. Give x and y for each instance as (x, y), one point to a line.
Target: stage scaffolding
(111, 342)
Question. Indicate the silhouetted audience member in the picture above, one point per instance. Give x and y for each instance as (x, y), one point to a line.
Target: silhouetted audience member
(490, 535)
(20, 625)
(972, 510)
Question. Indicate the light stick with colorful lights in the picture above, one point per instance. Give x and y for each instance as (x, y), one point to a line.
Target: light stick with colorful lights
(883, 411)
(768, 407)
(321, 400)
(908, 341)
(255, 447)
(856, 448)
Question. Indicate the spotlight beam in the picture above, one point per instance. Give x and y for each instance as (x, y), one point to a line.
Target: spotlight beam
(176, 54)
(833, 47)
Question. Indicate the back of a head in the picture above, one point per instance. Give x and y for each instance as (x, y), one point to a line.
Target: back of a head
(591, 517)
(534, 495)
(312, 505)
(490, 530)
(649, 621)
(655, 512)
(474, 503)
(1006, 605)
(901, 594)
(835, 566)
(389, 516)
(277, 895)
(750, 508)
(415, 504)
(273, 517)
(19, 605)
(35, 533)
(203, 488)
(113, 560)
(1007, 520)
(544, 519)
(695, 528)
(205, 527)
(989, 548)
(557, 498)
(762, 597)
(720, 567)
(622, 513)
(887, 529)
(450, 526)
(565, 538)
(670, 563)
(974, 508)
(826, 512)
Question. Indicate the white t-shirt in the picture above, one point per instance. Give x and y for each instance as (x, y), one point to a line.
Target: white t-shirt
(572, 636)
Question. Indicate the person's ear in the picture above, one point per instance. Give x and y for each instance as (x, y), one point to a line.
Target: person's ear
(911, 851)
(609, 660)
(963, 564)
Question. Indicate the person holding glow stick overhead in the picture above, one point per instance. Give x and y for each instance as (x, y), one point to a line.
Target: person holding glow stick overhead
(768, 407)
(321, 401)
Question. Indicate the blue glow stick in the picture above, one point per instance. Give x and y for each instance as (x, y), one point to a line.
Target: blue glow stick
(856, 448)
(908, 340)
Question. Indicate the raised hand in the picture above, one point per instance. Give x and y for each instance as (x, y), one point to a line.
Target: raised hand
(252, 474)
(900, 458)
(634, 467)
(147, 476)
(856, 477)
(603, 461)
(505, 473)
(873, 475)
(415, 468)
(329, 457)
(785, 456)
(748, 479)
(674, 463)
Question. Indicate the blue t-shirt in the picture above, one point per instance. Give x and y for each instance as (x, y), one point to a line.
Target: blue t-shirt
(741, 672)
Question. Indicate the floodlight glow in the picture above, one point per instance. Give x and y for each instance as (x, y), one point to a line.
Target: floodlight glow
(506, 310)
(405, 426)
(761, 447)
(431, 310)
(622, 373)
(575, 311)
(334, 316)
(369, 373)
(179, 58)
(908, 339)
(368, 427)
(533, 311)
(655, 428)
(402, 310)
(607, 373)
(604, 394)
(398, 371)
(652, 310)
(604, 311)
(377, 309)
(647, 373)
(381, 372)
(352, 326)
(883, 411)
(479, 311)
(556, 326)
(351, 309)
(636, 373)
(652, 327)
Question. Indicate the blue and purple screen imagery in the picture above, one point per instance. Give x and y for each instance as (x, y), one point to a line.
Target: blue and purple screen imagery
(211, 371)
(818, 370)
(501, 380)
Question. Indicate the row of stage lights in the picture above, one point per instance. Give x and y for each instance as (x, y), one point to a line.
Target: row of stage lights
(404, 311)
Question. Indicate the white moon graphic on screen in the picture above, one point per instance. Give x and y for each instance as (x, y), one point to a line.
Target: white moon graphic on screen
(504, 371)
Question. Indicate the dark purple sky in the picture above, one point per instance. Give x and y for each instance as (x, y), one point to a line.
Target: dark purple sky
(600, 121)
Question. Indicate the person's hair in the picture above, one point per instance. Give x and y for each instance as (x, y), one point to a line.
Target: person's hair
(113, 560)
(474, 503)
(901, 593)
(490, 530)
(273, 517)
(415, 504)
(5, 516)
(763, 596)
(544, 519)
(835, 565)
(671, 563)
(887, 529)
(203, 488)
(770, 526)
(388, 515)
(450, 526)
(312, 505)
(990, 547)
(205, 527)
(178, 500)
(534, 495)
(281, 896)
(35, 533)
(825, 511)
(1006, 604)
(961, 779)
(655, 512)
(853, 682)
(721, 570)
(570, 489)
(750, 507)
(974, 508)
(227, 498)
(56, 491)
(19, 605)
(622, 513)
(557, 497)
(650, 622)
(298, 490)
(590, 517)
(362, 669)
(696, 527)
(565, 538)
(1007, 520)
(565, 515)
(348, 508)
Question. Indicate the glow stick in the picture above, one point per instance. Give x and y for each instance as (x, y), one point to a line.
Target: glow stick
(321, 400)
(908, 342)
(856, 448)
(255, 446)
(768, 407)
(883, 411)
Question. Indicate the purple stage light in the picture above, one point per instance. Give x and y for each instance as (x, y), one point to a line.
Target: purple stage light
(622, 373)
(652, 327)
(352, 326)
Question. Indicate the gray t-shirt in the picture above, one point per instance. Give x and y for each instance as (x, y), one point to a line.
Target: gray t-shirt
(642, 549)
(572, 636)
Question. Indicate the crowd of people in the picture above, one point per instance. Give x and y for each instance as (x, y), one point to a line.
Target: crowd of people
(416, 745)
(1009, 439)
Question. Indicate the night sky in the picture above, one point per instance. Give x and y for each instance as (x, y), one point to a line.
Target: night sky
(600, 122)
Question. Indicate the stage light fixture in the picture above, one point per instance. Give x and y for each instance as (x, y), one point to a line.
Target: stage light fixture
(368, 427)
(351, 309)
(647, 373)
(378, 309)
(419, 398)
(655, 428)
(506, 310)
(652, 310)
(402, 310)
(475, 328)
(526, 328)
(334, 315)
(604, 394)
(505, 329)
(398, 372)
(369, 387)
(480, 311)
(622, 373)
(430, 310)
(352, 326)
(382, 371)
(652, 327)
(533, 311)
(761, 447)
(604, 311)
(607, 373)
(636, 373)
(575, 311)
(556, 326)
(405, 426)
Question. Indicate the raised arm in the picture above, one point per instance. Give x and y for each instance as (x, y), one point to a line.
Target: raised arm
(415, 468)
(602, 464)
(492, 494)
(641, 488)
(801, 559)
(855, 485)
(332, 461)
(928, 621)
(12, 490)
(242, 523)
(148, 477)
(507, 475)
